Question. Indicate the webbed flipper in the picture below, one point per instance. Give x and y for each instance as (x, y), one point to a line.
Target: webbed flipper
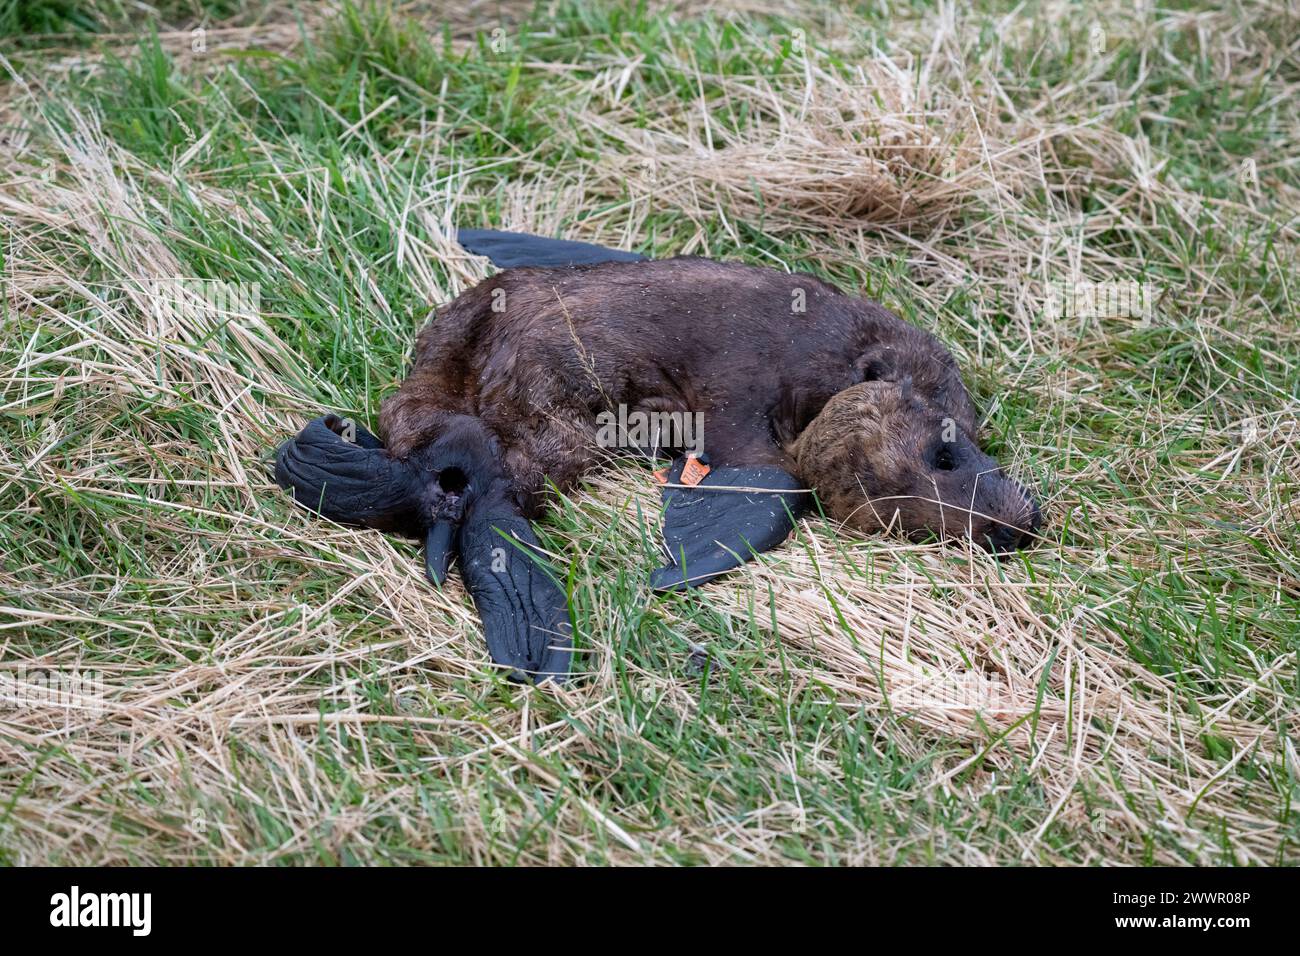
(525, 614)
(510, 249)
(730, 516)
(341, 471)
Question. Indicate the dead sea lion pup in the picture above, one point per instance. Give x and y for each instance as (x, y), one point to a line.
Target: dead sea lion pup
(799, 387)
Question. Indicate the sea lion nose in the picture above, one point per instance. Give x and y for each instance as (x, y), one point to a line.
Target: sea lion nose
(1004, 538)
(1035, 521)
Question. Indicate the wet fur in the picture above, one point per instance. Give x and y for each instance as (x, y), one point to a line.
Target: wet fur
(536, 354)
(796, 383)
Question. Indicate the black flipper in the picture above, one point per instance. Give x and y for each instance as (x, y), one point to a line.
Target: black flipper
(510, 249)
(714, 526)
(525, 614)
(338, 469)
(439, 544)
(341, 471)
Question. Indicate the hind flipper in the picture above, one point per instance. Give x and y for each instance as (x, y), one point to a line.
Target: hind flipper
(341, 471)
(733, 514)
(454, 494)
(510, 249)
(525, 614)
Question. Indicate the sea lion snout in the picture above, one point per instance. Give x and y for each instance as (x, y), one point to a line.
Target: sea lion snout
(1014, 517)
(883, 459)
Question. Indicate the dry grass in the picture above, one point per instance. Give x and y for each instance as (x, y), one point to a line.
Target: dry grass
(280, 690)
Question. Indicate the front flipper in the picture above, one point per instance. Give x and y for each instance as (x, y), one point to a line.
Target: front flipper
(723, 521)
(525, 614)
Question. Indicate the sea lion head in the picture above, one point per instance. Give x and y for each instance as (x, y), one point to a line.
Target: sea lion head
(882, 458)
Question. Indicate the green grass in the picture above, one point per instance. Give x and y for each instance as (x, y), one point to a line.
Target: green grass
(282, 691)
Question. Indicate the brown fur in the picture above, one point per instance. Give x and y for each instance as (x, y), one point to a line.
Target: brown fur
(870, 456)
(536, 354)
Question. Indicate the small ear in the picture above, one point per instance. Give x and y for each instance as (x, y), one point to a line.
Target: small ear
(923, 365)
(353, 482)
(877, 363)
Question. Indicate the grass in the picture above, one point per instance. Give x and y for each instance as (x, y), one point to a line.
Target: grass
(279, 690)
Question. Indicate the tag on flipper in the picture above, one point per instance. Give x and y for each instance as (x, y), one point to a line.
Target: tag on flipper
(725, 520)
(695, 470)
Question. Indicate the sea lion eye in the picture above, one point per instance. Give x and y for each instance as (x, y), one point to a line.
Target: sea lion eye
(943, 459)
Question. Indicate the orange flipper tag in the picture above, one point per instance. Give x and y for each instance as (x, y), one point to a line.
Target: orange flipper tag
(661, 476)
(694, 471)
